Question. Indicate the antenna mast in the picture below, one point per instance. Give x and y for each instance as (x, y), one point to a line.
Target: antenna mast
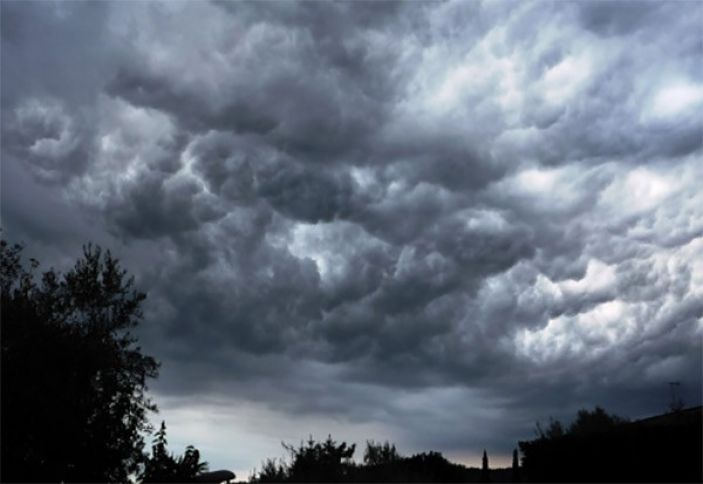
(676, 404)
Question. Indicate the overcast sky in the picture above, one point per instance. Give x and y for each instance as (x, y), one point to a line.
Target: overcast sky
(433, 223)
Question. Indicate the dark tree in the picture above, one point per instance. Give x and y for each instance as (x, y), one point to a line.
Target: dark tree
(311, 462)
(189, 464)
(596, 420)
(485, 470)
(271, 471)
(320, 462)
(161, 466)
(73, 377)
(331, 462)
(380, 454)
(553, 431)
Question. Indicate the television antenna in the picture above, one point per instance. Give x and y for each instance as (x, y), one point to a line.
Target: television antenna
(676, 404)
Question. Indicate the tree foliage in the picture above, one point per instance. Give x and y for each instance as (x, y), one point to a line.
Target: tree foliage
(329, 461)
(380, 454)
(73, 378)
(272, 470)
(587, 421)
(553, 431)
(161, 466)
(320, 461)
(596, 420)
(311, 461)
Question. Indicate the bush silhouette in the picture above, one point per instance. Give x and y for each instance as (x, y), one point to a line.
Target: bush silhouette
(331, 462)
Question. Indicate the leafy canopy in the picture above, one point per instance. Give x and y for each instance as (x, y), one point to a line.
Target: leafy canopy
(73, 377)
(161, 466)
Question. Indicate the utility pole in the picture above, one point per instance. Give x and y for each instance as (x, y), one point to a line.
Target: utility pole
(516, 467)
(676, 404)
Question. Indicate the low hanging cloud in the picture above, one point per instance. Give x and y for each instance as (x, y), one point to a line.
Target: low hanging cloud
(441, 220)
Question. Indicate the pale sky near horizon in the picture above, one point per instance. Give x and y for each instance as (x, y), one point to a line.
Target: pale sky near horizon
(433, 223)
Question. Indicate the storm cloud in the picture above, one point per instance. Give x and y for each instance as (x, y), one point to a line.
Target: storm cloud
(434, 222)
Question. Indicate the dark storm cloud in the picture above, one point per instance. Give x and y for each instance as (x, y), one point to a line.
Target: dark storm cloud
(47, 107)
(308, 195)
(150, 208)
(410, 216)
(617, 18)
(311, 91)
(149, 90)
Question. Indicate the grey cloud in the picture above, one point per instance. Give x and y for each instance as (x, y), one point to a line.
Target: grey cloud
(307, 194)
(405, 211)
(43, 220)
(155, 91)
(151, 207)
(443, 160)
(41, 38)
(228, 165)
(357, 267)
(329, 113)
(244, 291)
(418, 279)
(55, 144)
(617, 18)
(482, 244)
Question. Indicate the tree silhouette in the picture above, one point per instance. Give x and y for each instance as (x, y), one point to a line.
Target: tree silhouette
(271, 471)
(485, 471)
(160, 441)
(320, 462)
(164, 467)
(160, 466)
(596, 420)
(328, 461)
(73, 378)
(189, 464)
(311, 462)
(380, 454)
(553, 431)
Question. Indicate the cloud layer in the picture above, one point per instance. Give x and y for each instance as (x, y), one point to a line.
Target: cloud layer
(434, 221)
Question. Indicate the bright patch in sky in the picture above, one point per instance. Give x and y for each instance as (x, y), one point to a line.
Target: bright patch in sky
(307, 243)
(640, 190)
(675, 99)
(566, 79)
(599, 277)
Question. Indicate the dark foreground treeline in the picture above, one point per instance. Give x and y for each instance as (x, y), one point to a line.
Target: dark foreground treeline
(595, 447)
(329, 461)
